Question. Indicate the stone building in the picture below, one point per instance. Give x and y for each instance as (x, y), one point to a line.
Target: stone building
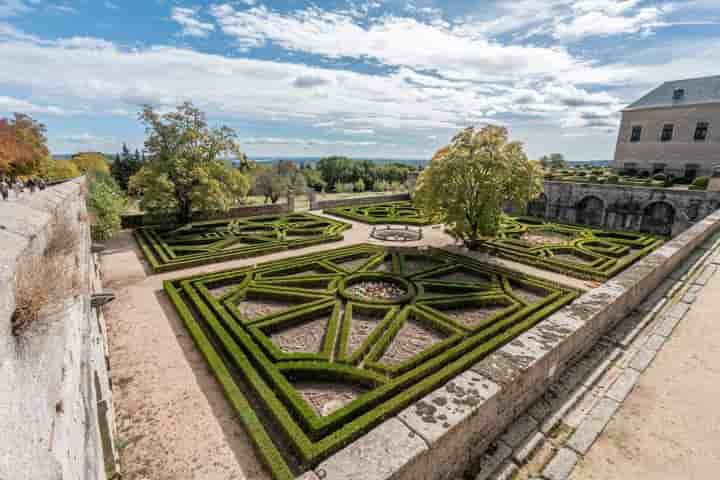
(673, 129)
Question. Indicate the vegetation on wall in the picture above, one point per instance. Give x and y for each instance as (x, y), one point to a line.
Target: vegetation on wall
(470, 182)
(106, 202)
(466, 310)
(185, 171)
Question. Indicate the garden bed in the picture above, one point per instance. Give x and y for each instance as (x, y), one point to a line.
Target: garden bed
(199, 243)
(397, 213)
(354, 336)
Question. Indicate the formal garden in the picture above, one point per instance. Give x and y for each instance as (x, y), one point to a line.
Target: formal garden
(401, 213)
(315, 350)
(199, 243)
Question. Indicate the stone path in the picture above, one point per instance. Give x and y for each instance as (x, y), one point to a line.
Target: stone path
(641, 404)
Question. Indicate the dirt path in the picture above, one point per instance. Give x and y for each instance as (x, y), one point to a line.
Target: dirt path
(173, 420)
(669, 426)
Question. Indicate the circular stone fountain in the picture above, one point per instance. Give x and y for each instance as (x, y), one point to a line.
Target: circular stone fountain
(380, 288)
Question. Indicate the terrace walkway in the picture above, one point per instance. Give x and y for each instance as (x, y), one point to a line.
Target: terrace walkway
(641, 404)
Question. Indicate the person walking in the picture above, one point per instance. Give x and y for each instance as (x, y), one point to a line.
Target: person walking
(18, 186)
(31, 184)
(4, 189)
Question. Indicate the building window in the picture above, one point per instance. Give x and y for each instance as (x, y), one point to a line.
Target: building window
(691, 171)
(636, 133)
(667, 132)
(701, 131)
(658, 168)
(678, 93)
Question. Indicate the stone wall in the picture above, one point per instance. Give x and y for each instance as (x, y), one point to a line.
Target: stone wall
(139, 220)
(655, 210)
(324, 204)
(55, 400)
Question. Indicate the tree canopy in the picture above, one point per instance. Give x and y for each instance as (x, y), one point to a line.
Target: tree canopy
(62, 169)
(88, 162)
(23, 146)
(554, 161)
(125, 166)
(185, 171)
(470, 181)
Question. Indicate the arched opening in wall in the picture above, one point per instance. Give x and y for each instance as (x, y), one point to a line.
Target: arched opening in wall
(536, 207)
(658, 218)
(590, 211)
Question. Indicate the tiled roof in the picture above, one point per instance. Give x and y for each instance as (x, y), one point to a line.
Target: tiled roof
(696, 90)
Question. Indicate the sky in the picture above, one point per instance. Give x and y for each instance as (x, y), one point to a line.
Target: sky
(363, 78)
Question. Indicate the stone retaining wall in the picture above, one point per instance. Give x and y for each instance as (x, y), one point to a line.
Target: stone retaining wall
(55, 400)
(140, 220)
(439, 436)
(324, 204)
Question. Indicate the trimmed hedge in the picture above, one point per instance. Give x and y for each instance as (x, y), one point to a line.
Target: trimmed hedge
(589, 253)
(396, 213)
(261, 379)
(171, 247)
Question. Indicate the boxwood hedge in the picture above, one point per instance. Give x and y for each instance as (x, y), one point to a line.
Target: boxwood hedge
(399, 213)
(170, 247)
(471, 308)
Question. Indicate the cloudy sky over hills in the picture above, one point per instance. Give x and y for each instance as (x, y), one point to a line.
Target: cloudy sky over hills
(378, 78)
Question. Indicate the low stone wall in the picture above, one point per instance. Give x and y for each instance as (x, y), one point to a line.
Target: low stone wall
(141, 220)
(55, 399)
(617, 207)
(439, 436)
(324, 204)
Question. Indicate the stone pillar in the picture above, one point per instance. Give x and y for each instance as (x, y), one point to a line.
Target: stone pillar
(291, 201)
(312, 199)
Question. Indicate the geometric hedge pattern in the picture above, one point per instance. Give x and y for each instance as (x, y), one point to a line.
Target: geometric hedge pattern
(198, 243)
(314, 351)
(403, 213)
(575, 250)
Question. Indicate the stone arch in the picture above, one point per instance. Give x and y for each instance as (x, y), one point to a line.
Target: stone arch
(590, 211)
(536, 207)
(658, 218)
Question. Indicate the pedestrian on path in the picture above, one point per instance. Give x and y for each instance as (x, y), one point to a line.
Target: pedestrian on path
(4, 189)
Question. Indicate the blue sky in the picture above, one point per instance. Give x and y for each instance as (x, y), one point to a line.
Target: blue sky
(365, 78)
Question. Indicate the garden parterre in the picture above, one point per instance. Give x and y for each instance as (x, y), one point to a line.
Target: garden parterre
(199, 243)
(314, 351)
(400, 213)
(574, 250)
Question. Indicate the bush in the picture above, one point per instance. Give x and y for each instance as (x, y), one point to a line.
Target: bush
(701, 183)
(683, 181)
(660, 177)
(381, 186)
(581, 174)
(359, 186)
(645, 174)
(592, 178)
(669, 181)
(107, 203)
(613, 179)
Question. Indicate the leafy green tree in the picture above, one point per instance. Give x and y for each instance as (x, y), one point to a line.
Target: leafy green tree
(107, 203)
(185, 172)
(293, 175)
(314, 179)
(469, 182)
(62, 169)
(89, 162)
(125, 166)
(270, 184)
(359, 186)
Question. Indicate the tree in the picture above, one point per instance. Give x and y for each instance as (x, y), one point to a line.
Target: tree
(270, 184)
(185, 171)
(107, 203)
(293, 175)
(88, 162)
(555, 161)
(314, 179)
(125, 166)
(23, 145)
(62, 169)
(469, 182)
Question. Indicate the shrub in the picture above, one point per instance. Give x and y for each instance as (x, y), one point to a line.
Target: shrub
(581, 174)
(613, 179)
(593, 178)
(645, 174)
(359, 186)
(107, 203)
(701, 183)
(660, 177)
(683, 181)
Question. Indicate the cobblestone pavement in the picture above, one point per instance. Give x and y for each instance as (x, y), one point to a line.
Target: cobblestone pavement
(641, 404)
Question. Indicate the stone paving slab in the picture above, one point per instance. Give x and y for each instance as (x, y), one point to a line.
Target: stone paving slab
(642, 359)
(507, 471)
(591, 428)
(527, 447)
(492, 459)
(519, 430)
(623, 385)
(561, 465)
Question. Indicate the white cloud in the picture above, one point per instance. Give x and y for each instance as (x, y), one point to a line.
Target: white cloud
(11, 105)
(304, 142)
(600, 18)
(10, 8)
(191, 25)
(63, 8)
